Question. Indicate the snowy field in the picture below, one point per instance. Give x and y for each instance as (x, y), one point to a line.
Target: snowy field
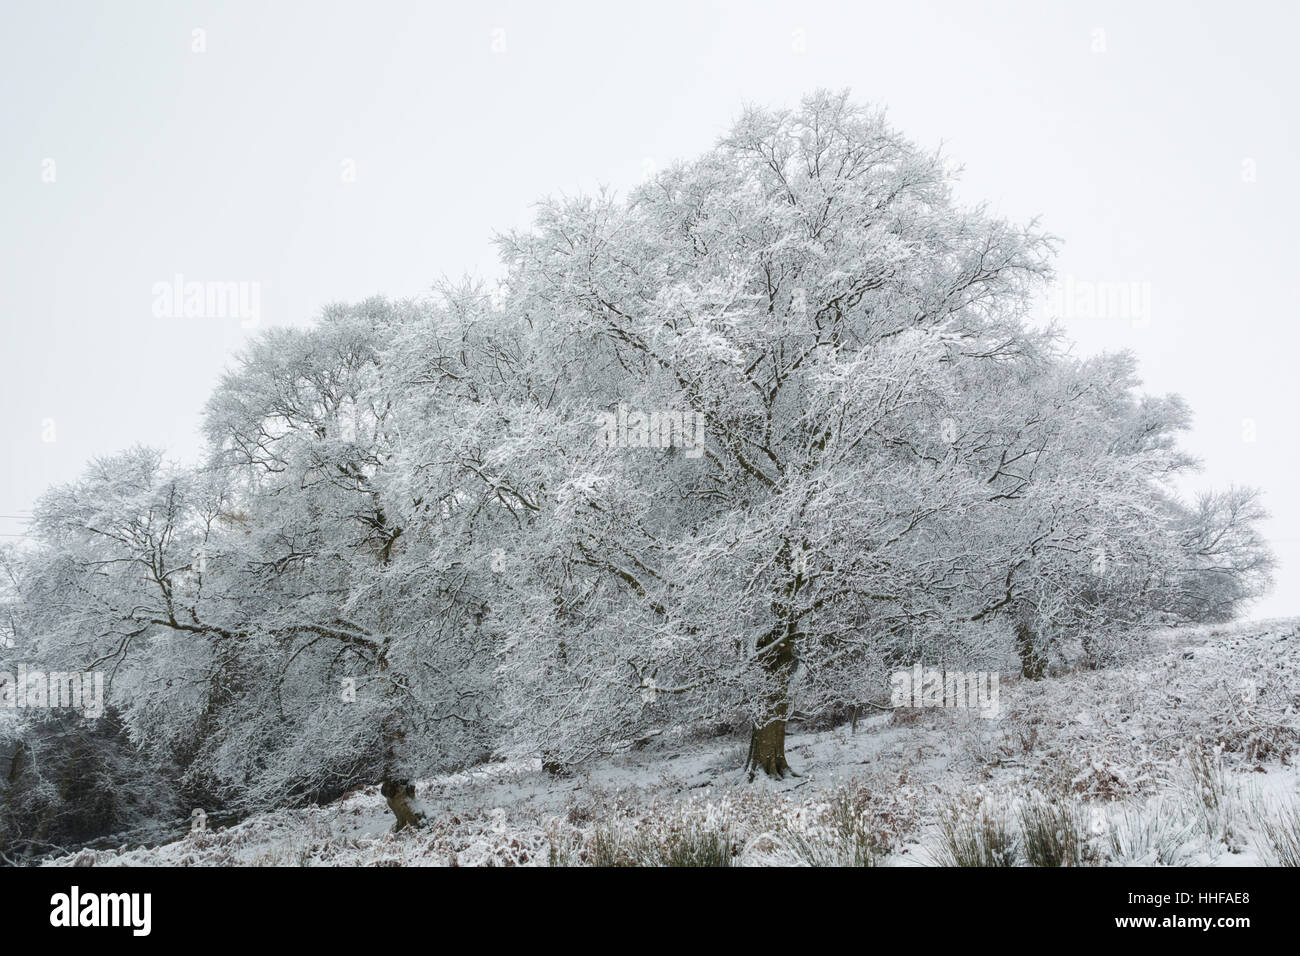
(1185, 756)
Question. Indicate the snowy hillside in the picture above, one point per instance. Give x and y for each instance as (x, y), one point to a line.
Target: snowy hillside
(1185, 756)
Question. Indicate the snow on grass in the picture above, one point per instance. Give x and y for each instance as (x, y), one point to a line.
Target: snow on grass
(1185, 756)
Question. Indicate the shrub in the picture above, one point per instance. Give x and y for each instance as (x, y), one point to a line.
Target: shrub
(976, 836)
(1282, 835)
(1052, 832)
(688, 843)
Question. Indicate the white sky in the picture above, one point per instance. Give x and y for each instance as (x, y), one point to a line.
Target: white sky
(226, 165)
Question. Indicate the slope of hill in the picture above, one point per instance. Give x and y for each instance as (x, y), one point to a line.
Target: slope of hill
(1186, 755)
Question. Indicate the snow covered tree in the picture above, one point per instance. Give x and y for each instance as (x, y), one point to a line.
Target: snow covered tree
(811, 291)
(728, 451)
(1227, 562)
(371, 629)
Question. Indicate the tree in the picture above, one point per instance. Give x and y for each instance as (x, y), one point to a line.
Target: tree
(1228, 563)
(341, 552)
(729, 451)
(810, 289)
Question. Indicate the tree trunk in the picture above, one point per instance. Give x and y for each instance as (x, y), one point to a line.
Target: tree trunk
(400, 795)
(780, 660)
(767, 742)
(767, 751)
(1032, 660)
(398, 791)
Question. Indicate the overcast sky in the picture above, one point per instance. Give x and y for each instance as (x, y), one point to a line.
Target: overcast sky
(329, 152)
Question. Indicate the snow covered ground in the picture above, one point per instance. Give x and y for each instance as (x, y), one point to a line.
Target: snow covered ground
(1187, 755)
